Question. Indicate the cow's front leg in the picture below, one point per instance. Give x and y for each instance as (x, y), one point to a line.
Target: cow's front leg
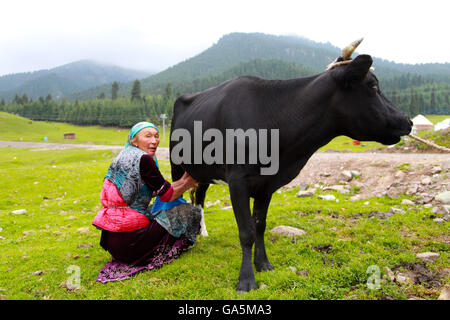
(260, 207)
(240, 200)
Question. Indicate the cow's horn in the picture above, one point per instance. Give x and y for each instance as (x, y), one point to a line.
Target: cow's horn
(348, 50)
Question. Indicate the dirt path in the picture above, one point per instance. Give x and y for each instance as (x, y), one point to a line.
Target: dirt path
(162, 153)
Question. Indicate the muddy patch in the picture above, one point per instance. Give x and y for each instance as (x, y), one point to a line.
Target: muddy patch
(327, 248)
(418, 273)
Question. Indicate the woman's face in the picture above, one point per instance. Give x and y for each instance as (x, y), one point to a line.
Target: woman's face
(148, 140)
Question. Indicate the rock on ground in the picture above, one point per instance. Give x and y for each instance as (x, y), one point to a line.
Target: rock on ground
(305, 194)
(445, 293)
(287, 230)
(327, 197)
(346, 175)
(428, 256)
(407, 202)
(20, 211)
(443, 197)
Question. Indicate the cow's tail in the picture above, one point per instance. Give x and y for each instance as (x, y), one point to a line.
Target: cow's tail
(203, 231)
(192, 194)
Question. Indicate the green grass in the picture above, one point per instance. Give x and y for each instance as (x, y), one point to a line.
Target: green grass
(346, 143)
(441, 138)
(16, 128)
(47, 237)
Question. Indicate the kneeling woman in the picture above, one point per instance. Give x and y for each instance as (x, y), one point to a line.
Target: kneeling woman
(138, 236)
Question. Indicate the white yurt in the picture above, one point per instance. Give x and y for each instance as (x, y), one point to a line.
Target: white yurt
(442, 125)
(420, 123)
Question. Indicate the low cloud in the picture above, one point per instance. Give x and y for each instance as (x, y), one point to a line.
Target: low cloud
(126, 48)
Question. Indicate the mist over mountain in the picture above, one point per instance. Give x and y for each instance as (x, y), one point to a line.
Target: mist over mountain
(65, 79)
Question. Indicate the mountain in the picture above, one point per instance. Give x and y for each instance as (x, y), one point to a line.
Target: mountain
(65, 79)
(229, 51)
(268, 69)
(236, 48)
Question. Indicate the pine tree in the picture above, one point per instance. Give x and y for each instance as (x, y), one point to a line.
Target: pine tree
(421, 102)
(394, 97)
(114, 90)
(17, 99)
(24, 98)
(136, 90)
(433, 100)
(413, 105)
(168, 91)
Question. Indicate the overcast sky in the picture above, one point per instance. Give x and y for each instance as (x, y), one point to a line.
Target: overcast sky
(153, 35)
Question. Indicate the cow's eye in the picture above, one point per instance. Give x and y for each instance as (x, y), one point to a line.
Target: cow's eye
(374, 86)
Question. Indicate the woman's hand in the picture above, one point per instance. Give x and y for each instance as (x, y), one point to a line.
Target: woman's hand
(180, 186)
(189, 181)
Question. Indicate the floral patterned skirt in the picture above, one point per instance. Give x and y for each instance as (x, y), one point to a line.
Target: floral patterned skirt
(135, 251)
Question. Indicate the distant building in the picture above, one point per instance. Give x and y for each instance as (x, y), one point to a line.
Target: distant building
(420, 123)
(70, 135)
(442, 125)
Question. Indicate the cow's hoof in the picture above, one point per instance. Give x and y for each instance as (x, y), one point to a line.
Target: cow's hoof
(266, 266)
(245, 286)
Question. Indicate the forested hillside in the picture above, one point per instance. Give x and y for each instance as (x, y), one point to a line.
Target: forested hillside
(430, 98)
(63, 80)
(268, 69)
(121, 112)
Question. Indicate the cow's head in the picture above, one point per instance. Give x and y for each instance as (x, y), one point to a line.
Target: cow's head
(361, 110)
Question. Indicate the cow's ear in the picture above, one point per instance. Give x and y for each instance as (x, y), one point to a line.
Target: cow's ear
(354, 72)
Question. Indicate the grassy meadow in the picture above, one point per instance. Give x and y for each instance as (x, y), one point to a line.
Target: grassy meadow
(16, 128)
(60, 192)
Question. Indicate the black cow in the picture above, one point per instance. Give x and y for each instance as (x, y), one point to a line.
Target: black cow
(309, 112)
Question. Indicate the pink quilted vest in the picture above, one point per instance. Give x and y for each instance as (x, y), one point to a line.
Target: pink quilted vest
(114, 216)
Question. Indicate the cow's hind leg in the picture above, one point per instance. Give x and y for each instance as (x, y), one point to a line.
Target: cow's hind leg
(240, 200)
(260, 207)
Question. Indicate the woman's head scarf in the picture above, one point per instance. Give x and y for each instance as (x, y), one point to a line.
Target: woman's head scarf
(138, 127)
